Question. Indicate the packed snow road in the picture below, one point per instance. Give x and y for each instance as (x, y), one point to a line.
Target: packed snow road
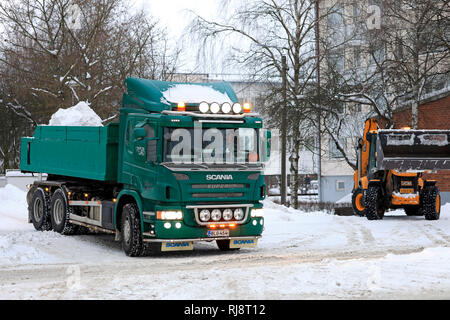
(301, 256)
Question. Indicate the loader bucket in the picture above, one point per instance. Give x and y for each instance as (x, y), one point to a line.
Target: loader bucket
(413, 150)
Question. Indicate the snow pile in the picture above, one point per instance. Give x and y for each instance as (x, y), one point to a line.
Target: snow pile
(78, 115)
(13, 202)
(190, 93)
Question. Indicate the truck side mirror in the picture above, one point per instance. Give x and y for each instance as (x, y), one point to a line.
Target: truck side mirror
(266, 145)
(139, 133)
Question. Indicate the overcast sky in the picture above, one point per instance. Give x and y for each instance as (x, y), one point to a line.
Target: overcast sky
(174, 13)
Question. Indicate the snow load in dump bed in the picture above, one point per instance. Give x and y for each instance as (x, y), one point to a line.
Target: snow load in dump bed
(80, 115)
(413, 150)
(157, 96)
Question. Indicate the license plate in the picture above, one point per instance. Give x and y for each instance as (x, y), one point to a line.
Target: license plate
(218, 233)
(406, 190)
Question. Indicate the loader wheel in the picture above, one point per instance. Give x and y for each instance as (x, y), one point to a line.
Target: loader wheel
(373, 206)
(60, 214)
(131, 235)
(39, 212)
(358, 202)
(431, 203)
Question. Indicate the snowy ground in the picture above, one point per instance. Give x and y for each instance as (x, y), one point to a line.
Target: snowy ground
(301, 256)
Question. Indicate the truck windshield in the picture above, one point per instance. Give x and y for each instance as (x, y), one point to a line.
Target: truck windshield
(212, 145)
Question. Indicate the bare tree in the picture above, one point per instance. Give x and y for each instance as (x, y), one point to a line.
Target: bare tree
(55, 53)
(56, 62)
(260, 33)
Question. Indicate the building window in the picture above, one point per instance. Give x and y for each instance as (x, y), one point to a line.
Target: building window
(334, 151)
(340, 185)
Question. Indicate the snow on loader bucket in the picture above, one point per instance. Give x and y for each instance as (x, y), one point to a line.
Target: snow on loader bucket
(413, 150)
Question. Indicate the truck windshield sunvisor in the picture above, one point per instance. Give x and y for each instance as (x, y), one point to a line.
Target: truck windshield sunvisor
(212, 146)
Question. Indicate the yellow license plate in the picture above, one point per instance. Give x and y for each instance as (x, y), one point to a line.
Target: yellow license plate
(406, 190)
(243, 243)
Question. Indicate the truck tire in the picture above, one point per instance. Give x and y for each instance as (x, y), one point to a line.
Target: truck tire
(358, 202)
(373, 208)
(131, 235)
(39, 212)
(60, 214)
(431, 203)
(224, 245)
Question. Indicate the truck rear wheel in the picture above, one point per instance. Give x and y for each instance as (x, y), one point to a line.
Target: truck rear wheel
(431, 203)
(131, 235)
(358, 202)
(373, 207)
(39, 212)
(60, 214)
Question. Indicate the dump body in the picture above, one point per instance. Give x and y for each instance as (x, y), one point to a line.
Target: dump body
(81, 152)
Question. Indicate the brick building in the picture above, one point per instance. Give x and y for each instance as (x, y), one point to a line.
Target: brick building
(434, 113)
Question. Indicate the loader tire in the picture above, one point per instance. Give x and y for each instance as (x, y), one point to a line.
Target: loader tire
(39, 210)
(358, 202)
(131, 235)
(373, 209)
(60, 214)
(431, 203)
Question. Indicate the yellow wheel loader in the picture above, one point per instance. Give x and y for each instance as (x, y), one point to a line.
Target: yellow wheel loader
(390, 167)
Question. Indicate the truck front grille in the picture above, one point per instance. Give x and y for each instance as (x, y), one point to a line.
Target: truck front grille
(221, 195)
(218, 186)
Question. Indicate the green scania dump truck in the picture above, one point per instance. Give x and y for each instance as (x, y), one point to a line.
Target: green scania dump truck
(178, 168)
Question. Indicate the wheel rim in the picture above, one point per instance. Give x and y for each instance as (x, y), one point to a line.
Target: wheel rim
(126, 230)
(358, 202)
(438, 203)
(58, 211)
(38, 210)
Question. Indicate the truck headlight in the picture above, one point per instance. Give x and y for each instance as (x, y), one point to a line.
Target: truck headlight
(216, 215)
(227, 214)
(237, 108)
(205, 215)
(169, 215)
(257, 213)
(203, 107)
(214, 107)
(239, 214)
(226, 107)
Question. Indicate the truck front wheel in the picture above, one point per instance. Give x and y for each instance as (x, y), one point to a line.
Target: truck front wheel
(39, 212)
(131, 235)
